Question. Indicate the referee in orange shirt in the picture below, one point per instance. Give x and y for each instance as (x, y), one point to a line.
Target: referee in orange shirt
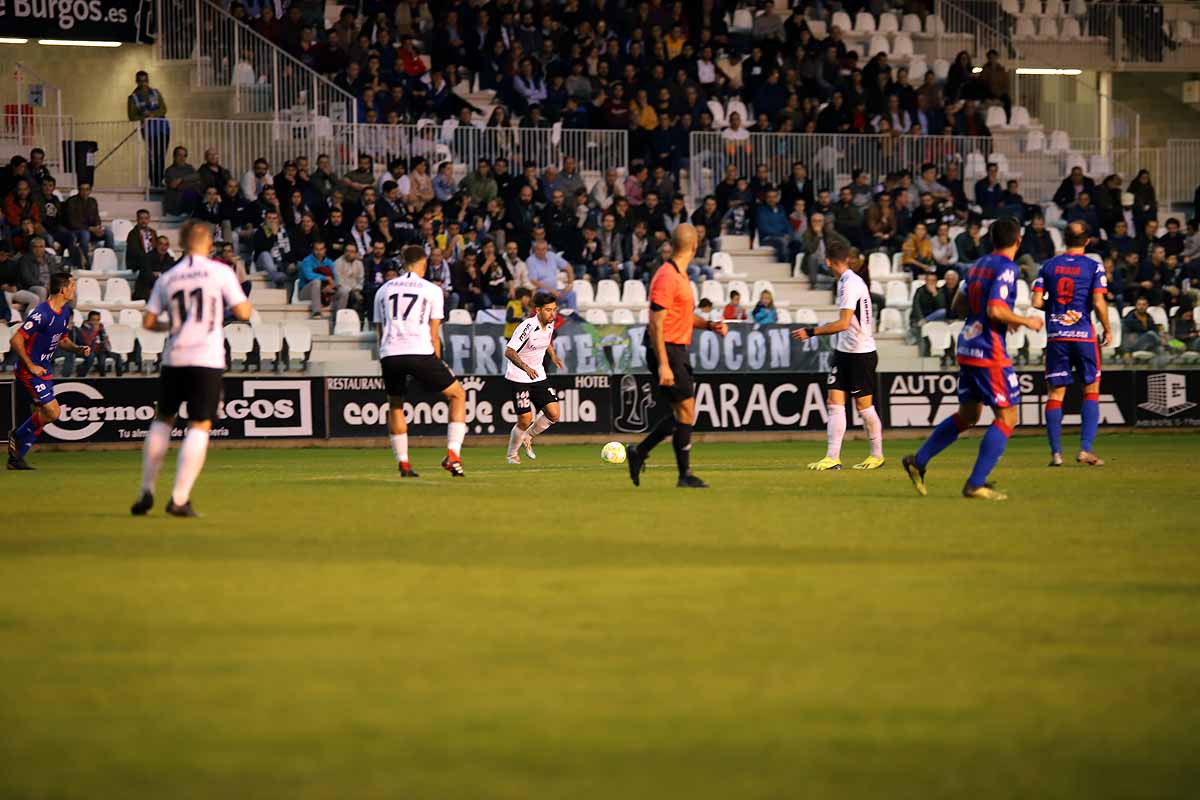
(672, 320)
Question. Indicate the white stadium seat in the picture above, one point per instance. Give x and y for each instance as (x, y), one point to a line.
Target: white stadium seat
(891, 321)
(298, 337)
(116, 293)
(1056, 238)
(240, 338)
(623, 316)
(888, 23)
(864, 22)
(917, 69)
(1047, 28)
(995, 118)
(1053, 8)
(805, 316)
(1015, 341)
(934, 25)
(1060, 142)
(902, 46)
(644, 316)
(1071, 29)
(1032, 8)
(1099, 166)
(1011, 7)
(584, 296)
(346, 323)
(121, 339)
(104, 260)
(596, 316)
(841, 20)
(152, 344)
(1020, 117)
(941, 68)
(1023, 294)
(783, 316)
(718, 114)
(106, 317)
(270, 341)
(765, 286)
(743, 290)
(878, 44)
(120, 231)
(721, 261)
(1036, 340)
(130, 317)
(712, 290)
(1026, 29)
(1035, 141)
(897, 295)
(633, 294)
(879, 264)
(938, 334)
(608, 294)
(87, 292)
(459, 316)
(911, 24)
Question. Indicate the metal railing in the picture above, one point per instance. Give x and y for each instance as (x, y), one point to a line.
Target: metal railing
(593, 150)
(977, 20)
(1182, 157)
(832, 158)
(238, 143)
(263, 78)
(1077, 105)
(33, 117)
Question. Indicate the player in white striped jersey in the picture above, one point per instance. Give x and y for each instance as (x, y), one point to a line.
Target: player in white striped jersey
(526, 374)
(188, 301)
(409, 312)
(854, 362)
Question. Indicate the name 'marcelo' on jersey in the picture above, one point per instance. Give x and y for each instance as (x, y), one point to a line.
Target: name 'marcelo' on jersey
(992, 280)
(853, 293)
(405, 306)
(42, 330)
(1070, 284)
(531, 341)
(193, 294)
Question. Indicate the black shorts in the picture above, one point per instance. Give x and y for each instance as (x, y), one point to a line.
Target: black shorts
(199, 387)
(530, 396)
(429, 371)
(853, 373)
(681, 366)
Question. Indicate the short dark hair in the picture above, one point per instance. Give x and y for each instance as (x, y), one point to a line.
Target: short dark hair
(412, 254)
(59, 281)
(541, 299)
(1005, 232)
(93, 313)
(1077, 234)
(523, 292)
(837, 251)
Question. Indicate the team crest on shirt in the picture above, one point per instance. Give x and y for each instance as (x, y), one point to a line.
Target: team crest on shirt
(1003, 292)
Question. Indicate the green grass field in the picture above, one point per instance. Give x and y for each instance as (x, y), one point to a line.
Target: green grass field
(548, 631)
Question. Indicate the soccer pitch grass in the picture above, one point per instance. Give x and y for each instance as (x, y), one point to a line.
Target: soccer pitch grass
(548, 631)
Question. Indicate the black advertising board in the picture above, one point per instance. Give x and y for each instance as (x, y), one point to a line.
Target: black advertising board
(358, 406)
(121, 409)
(1168, 399)
(89, 20)
(6, 407)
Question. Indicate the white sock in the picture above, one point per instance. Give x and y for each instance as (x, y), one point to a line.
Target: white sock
(539, 425)
(874, 426)
(153, 453)
(400, 447)
(515, 438)
(834, 431)
(191, 461)
(455, 433)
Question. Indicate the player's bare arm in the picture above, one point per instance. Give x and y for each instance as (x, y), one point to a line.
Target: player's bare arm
(702, 324)
(242, 311)
(151, 322)
(842, 323)
(658, 318)
(1003, 314)
(515, 358)
(1101, 306)
(18, 347)
(72, 347)
(558, 364)
(435, 332)
(961, 305)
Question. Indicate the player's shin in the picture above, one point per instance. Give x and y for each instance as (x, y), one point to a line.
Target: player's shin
(990, 449)
(514, 439)
(158, 439)
(1090, 421)
(540, 425)
(835, 431)
(682, 442)
(874, 426)
(1054, 418)
(455, 433)
(191, 461)
(944, 435)
(28, 433)
(400, 447)
(660, 431)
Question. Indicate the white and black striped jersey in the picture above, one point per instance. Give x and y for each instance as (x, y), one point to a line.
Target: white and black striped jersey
(194, 294)
(404, 307)
(853, 293)
(531, 341)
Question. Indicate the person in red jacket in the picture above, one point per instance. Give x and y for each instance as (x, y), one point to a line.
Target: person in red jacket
(19, 205)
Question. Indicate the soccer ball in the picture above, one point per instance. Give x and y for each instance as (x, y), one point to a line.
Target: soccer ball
(613, 453)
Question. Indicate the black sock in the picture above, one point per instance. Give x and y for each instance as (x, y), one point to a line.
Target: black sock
(683, 448)
(660, 431)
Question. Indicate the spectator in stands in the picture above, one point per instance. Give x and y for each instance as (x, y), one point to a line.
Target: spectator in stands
(847, 217)
(20, 204)
(1107, 199)
(516, 268)
(814, 241)
(83, 220)
(733, 309)
(148, 107)
(771, 222)
(544, 266)
(1119, 241)
(950, 284)
(1173, 240)
(989, 193)
(34, 269)
(1036, 247)
(1072, 186)
(1083, 211)
(928, 305)
(945, 254)
(318, 283)
(272, 251)
(881, 225)
(153, 265)
(92, 334)
(480, 185)
(969, 121)
(256, 179)
(995, 80)
(374, 266)
(54, 222)
(1114, 292)
(1145, 202)
(1147, 238)
(322, 181)
(1183, 327)
(1139, 331)
(354, 182)
(917, 253)
(8, 281)
(493, 277)
(349, 272)
(209, 210)
(226, 253)
(764, 312)
(211, 173)
(970, 243)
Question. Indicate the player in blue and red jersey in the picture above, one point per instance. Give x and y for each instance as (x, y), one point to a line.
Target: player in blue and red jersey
(43, 332)
(986, 377)
(1068, 287)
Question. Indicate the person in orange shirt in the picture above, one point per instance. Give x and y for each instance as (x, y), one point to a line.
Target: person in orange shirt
(672, 320)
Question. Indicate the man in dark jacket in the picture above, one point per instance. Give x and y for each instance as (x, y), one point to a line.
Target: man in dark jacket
(83, 220)
(1036, 247)
(211, 173)
(139, 244)
(1072, 186)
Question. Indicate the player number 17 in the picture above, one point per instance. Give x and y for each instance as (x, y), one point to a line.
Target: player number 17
(395, 301)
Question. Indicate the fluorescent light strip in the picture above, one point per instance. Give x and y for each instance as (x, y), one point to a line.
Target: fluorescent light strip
(77, 43)
(1037, 71)
(8, 40)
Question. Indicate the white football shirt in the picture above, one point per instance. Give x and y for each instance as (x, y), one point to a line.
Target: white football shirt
(194, 294)
(853, 293)
(531, 341)
(404, 306)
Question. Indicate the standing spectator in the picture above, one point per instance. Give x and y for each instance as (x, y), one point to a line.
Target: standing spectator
(771, 222)
(147, 106)
(83, 220)
(1145, 202)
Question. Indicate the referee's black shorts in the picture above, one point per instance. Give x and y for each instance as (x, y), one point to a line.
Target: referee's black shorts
(681, 366)
(429, 371)
(199, 387)
(853, 373)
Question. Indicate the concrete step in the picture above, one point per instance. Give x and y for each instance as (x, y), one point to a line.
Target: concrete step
(261, 295)
(325, 355)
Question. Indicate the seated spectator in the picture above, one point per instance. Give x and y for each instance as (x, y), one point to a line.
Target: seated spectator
(1183, 328)
(318, 282)
(733, 309)
(152, 267)
(468, 285)
(516, 268)
(1072, 186)
(211, 173)
(517, 310)
(92, 334)
(917, 253)
(83, 220)
(764, 311)
(1083, 211)
(54, 222)
(1139, 331)
(950, 285)
(970, 243)
(1120, 241)
(1173, 240)
(350, 274)
(771, 222)
(272, 251)
(544, 266)
(989, 194)
(945, 254)
(1036, 247)
(227, 255)
(182, 183)
(929, 303)
(33, 273)
(814, 241)
(881, 225)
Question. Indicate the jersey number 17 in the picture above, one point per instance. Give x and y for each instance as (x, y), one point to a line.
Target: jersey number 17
(395, 301)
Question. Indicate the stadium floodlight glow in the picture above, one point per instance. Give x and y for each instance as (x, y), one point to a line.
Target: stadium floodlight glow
(77, 43)
(9, 40)
(1037, 71)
